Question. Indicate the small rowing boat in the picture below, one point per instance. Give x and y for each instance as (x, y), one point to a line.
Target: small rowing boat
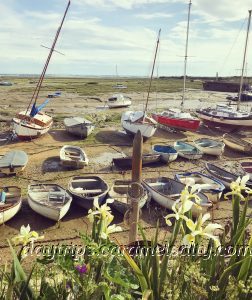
(209, 186)
(13, 162)
(209, 146)
(120, 193)
(247, 168)
(78, 126)
(49, 200)
(187, 150)
(73, 156)
(222, 175)
(237, 144)
(165, 191)
(85, 189)
(10, 202)
(167, 152)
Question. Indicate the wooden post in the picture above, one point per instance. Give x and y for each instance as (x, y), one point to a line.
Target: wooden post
(136, 177)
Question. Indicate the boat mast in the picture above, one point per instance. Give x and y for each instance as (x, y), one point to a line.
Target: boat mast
(41, 78)
(186, 49)
(244, 61)
(153, 66)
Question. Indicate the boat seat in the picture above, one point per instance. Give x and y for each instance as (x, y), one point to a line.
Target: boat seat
(84, 191)
(85, 180)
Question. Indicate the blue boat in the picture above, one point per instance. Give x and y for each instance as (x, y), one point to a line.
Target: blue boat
(167, 152)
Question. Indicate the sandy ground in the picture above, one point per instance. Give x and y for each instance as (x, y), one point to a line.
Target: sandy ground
(108, 142)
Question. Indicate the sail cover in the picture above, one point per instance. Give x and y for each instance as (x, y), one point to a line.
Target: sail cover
(35, 109)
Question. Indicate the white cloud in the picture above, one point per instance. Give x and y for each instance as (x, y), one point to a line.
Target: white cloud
(153, 16)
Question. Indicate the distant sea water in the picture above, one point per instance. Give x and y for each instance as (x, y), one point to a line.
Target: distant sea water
(71, 76)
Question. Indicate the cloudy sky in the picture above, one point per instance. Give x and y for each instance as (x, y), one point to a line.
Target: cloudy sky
(100, 34)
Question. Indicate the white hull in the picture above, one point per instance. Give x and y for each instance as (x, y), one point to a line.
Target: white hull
(54, 214)
(32, 129)
(221, 121)
(215, 151)
(236, 145)
(131, 125)
(167, 202)
(118, 104)
(166, 157)
(73, 156)
(10, 213)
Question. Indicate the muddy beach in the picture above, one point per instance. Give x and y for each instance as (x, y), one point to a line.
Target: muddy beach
(108, 141)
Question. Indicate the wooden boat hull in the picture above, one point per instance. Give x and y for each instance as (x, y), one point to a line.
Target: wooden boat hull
(119, 191)
(8, 212)
(214, 190)
(81, 130)
(237, 144)
(215, 149)
(178, 123)
(225, 122)
(32, 128)
(223, 176)
(187, 151)
(167, 153)
(73, 157)
(51, 212)
(166, 191)
(126, 162)
(247, 168)
(85, 189)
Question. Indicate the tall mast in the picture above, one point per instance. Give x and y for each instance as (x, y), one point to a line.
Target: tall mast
(41, 78)
(153, 66)
(244, 61)
(186, 49)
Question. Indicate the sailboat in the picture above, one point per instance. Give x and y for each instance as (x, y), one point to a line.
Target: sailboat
(132, 121)
(174, 117)
(32, 122)
(225, 116)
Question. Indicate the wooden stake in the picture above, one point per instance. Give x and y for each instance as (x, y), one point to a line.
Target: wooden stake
(136, 177)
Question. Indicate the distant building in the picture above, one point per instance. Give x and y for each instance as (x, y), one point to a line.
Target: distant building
(224, 86)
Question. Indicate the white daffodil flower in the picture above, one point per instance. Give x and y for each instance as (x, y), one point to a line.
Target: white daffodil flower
(239, 186)
(26, 236)
(102, 210)
(110, 229)
(185, 203)
(197, 230)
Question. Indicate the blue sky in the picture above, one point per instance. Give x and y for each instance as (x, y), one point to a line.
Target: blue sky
(100, 34)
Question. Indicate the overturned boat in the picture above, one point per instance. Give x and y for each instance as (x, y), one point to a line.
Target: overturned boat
(79, 126)
(13, 162)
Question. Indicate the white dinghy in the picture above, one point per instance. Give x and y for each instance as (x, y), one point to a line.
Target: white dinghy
(10, 202)
(209, 146)
(49, 200)
(79, 126)
(73, 157)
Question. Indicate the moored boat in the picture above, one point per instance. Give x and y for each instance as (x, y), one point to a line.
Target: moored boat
(33, 123)
(73, 156)
(167, 152)
(247, 168)
(13, 162)
(49, 200)
(85, 189)
(187, 150)
(165, 191)
(209, 146)
(10, 202)
(126, 162)
(118, 100)
(119, 191)
(223, 175)
(209, 185)
(237, 144)
(79, 126)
